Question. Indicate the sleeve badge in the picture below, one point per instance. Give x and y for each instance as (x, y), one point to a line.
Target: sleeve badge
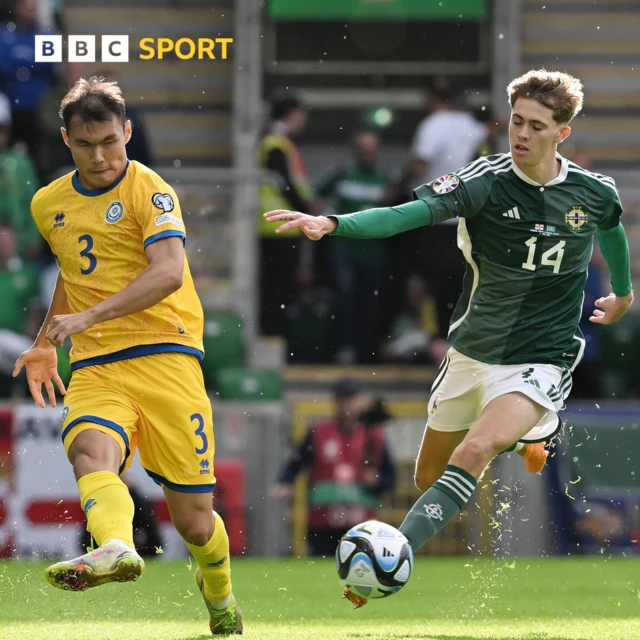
(163, 201)
(446, 184)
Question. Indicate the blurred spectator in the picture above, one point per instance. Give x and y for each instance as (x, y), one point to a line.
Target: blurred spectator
(21, 79)
(281, 255)
(18, 184)
(447, 138)
(20, 311)
(138, 147)
(53, 156)
(495, 126)
(358, 267)
(349, 466)
(445, 141)
(310, 322)
(413, 335)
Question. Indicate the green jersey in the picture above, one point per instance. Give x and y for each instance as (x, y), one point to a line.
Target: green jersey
(527, 248)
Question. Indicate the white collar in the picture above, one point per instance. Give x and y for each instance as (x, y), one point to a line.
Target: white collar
(561, 177)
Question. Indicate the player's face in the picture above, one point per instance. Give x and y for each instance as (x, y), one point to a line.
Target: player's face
(366, 150)
(533, 133)
(98, 150)
(348, 409)
(297, 121)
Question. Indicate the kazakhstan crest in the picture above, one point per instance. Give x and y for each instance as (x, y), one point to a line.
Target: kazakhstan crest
(577, 218)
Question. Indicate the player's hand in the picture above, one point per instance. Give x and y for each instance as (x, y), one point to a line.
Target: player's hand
(61, 327)
(611, 308)
(314, 227)
(42, 367)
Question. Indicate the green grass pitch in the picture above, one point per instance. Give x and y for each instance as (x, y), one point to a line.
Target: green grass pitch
(446, 599)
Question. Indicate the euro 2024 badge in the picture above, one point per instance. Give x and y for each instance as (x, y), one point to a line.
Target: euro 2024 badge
(577, 218)
(446, 184)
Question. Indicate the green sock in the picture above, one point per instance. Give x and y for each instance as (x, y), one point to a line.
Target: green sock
(438, 506)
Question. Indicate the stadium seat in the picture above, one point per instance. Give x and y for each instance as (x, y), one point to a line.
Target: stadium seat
(223, 345)
(249, 384)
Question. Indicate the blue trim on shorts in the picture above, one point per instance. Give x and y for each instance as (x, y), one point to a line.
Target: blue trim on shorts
(182, 488)
(104, 423)
(171, 233)
(137, 352)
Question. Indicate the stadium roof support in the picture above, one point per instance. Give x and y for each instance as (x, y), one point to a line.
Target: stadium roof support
(247, 118)
(507, 50)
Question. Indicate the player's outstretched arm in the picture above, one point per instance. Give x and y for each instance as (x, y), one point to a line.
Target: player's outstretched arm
(160, 279)
(368, 224)
(615, 249)
(41, 360)
(314, 227)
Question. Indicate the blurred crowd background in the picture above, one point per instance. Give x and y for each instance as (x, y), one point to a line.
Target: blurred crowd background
(320, 355)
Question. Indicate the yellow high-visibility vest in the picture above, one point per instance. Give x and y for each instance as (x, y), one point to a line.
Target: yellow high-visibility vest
(269, 194)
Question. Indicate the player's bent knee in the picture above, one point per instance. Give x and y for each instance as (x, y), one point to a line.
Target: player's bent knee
(474, 451)
(424, 478)
(197, 532)
(93, 451)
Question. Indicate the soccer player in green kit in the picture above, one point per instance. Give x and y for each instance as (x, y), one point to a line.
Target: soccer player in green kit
(527, 224)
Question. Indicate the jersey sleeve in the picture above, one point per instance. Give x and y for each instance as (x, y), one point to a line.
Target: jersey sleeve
(451, 197)
(157, 210)
(612, 210)
(36, 213)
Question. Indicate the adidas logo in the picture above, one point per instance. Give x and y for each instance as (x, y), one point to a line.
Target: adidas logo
(512, 213)
(386, 553)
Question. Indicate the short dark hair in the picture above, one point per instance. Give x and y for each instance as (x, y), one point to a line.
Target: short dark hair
(556, 90)
(442, 88)
(347, 388)
(93, 100)
(284, 106)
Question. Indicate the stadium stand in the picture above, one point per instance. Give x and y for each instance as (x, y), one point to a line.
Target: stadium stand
(597, 42)
(186, 103)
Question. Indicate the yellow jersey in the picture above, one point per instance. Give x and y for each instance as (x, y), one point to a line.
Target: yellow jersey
(98, 237)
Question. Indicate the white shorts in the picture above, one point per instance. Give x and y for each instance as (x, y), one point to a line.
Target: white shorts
(464, 387)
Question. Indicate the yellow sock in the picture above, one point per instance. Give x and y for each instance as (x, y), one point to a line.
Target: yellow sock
(106, 501)
(213, 560)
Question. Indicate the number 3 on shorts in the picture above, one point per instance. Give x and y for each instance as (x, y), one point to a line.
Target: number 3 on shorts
(200, 432)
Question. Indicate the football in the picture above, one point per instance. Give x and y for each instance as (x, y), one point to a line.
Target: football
(374, 560)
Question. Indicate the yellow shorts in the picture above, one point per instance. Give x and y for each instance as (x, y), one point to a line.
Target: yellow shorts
(157, 403)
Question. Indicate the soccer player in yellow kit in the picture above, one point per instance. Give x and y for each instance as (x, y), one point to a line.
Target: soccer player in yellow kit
(126, 298)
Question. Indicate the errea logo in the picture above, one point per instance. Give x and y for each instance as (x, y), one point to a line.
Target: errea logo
(58, 220)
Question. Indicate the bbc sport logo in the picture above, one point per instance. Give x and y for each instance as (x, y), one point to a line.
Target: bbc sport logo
(116, 48)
